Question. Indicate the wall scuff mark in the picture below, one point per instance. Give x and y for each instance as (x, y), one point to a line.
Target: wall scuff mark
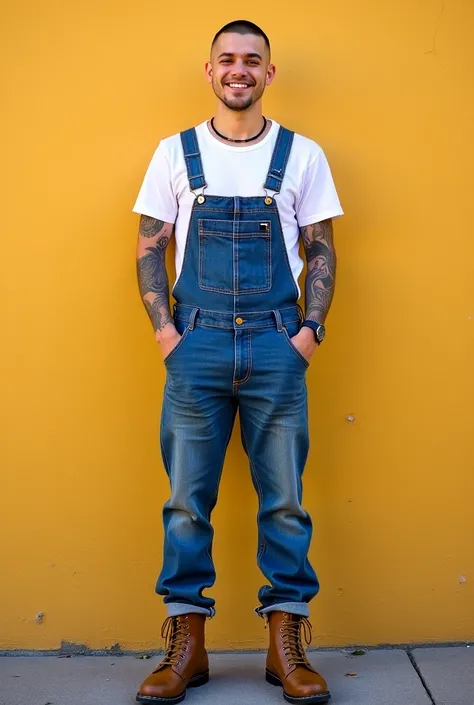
(435, 30)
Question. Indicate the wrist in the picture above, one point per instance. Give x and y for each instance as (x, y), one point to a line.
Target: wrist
(316, 329)
(166, 333)
(307, 335)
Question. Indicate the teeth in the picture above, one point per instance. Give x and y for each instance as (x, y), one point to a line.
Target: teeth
(238, 85)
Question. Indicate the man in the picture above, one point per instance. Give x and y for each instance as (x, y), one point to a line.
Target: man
(236, 192)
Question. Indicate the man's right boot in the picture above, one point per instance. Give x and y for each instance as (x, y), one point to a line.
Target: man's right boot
(186, 664)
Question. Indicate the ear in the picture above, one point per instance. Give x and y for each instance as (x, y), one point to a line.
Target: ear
(208, 70)
(271, 70)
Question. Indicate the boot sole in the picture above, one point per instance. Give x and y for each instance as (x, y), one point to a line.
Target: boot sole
(195, 682)
(306, 700)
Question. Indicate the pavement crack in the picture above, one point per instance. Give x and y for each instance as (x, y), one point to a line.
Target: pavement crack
(420, 676)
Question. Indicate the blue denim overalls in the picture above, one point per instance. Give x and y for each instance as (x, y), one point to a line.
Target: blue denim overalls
(236, 310)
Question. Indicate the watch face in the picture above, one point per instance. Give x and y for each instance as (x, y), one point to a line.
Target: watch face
(320, 333)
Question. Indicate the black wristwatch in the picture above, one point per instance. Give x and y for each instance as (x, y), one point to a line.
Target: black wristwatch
(318, 329)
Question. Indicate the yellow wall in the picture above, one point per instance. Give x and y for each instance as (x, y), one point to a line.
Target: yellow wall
(88, 90)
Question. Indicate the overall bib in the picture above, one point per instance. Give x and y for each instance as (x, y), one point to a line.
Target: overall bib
(236, 310)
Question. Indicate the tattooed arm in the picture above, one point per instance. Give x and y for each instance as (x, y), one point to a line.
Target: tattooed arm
(153, 239)
(321, 258)
(320, 277)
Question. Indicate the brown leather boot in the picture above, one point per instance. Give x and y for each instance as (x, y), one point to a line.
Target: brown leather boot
(287, 665)
(185, 665)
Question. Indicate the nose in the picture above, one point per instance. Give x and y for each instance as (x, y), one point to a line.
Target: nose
(238, 69)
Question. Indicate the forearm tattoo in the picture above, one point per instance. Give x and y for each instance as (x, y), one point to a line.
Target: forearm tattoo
(321, 274)
(153, 240)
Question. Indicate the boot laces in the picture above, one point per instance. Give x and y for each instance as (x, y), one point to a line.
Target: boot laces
(175, 632)
(291, 631)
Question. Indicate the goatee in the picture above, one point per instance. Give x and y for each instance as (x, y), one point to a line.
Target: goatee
(238, 106)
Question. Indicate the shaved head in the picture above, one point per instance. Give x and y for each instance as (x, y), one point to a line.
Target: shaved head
(242, 27)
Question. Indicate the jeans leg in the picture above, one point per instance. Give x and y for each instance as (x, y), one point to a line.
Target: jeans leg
(274, 422)
(197, 421)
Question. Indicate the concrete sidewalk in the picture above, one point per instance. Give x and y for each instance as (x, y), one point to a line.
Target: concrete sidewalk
(444, 676)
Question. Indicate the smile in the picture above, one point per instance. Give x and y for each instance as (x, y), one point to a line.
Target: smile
(238, 86)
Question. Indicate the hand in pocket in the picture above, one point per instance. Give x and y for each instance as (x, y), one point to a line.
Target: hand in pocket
(305, 343)
(169, 341)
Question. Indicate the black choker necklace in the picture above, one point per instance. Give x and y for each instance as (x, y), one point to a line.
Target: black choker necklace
(250, 139)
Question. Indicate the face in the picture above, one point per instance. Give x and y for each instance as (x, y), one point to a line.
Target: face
(239, 69)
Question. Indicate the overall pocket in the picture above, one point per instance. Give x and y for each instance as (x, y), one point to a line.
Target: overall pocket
(289, 331)
(184, 330)
(235, 257)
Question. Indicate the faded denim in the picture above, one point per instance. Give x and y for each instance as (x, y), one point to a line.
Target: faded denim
(236, 313)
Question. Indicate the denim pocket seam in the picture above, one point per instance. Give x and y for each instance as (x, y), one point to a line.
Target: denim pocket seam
(178, 346)
(236, 291)
(294, 349)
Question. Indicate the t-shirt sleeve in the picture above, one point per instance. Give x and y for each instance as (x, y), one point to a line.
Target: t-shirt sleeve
(156, 197)
(318, 198)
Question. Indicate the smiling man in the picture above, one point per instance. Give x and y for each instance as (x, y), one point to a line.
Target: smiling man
(238, 193)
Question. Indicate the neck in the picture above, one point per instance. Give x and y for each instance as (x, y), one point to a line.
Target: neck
(239, 124)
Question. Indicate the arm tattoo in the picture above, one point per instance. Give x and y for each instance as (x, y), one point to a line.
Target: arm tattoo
(320, 277)
(153, 240)
(150, 226)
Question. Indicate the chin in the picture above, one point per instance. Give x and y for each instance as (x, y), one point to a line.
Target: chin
(238, 104)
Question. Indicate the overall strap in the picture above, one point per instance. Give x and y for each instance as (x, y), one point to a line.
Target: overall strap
(192, 157)
(280, 157)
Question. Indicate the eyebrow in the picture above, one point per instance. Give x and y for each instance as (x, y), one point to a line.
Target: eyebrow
(252, 55)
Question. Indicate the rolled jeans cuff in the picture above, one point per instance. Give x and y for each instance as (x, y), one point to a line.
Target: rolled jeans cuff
(176, 609)
(300, 608)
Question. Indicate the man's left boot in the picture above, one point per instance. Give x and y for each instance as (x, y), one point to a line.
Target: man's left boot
(287, 664)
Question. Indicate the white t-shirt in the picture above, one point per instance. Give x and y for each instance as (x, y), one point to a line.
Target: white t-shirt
(308, 193)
